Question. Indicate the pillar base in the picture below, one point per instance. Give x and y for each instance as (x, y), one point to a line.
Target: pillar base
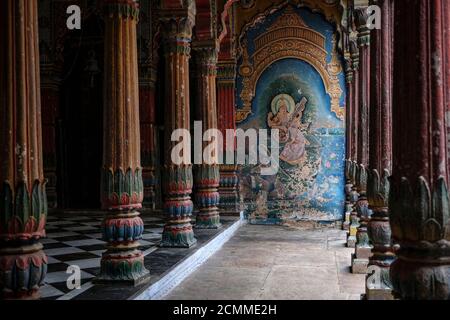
(363, 251)
(22, 272)
(351, 241)
(379, 294)
(123, 267)
(207, 221)
(420, 280)
(359, 265)
(178, 236)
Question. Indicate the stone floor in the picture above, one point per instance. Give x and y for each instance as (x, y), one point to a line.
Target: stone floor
(275, 263)
(74, 239)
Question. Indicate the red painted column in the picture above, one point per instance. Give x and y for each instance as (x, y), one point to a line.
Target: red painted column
(23, 201)
(354, 51)
(419, 199)
(122, 187)
(177, 177)
(361, 18)
(207, 175)
(380, 160)
(229, 181)
(354, 132)
(349, 143)
(360, 259)
(50, 105)
(149, 138)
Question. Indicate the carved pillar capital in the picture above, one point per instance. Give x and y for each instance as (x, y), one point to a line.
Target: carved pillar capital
(354, 54)
(361, 20)
(226, 72)
(176, 27)
(348, 69)
(121, 8)
(206, 58)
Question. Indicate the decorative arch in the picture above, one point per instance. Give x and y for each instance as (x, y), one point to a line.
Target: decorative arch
(289, 37)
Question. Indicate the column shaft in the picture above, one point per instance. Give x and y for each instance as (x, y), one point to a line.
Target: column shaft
(177, 178)
(380, 159)
(349, 143)
(149, 138)
(229, 181)
(23, 202)
(419, 200)
(122, 187)
(362, 250)
(354, 130)
(207, 176)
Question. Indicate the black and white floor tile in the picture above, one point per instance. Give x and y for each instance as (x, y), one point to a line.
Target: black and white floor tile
(77, 241)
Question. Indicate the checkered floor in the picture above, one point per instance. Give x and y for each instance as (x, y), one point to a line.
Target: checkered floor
(76, 240)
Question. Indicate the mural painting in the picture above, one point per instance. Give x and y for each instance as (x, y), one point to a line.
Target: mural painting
(303, 97)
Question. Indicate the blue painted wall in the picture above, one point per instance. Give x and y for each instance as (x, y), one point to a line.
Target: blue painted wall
(313, 189)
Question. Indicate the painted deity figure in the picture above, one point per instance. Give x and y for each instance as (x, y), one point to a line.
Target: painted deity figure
(280, 120)
(288, 120)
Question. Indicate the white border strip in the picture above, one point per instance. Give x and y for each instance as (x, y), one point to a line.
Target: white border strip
(163, 286)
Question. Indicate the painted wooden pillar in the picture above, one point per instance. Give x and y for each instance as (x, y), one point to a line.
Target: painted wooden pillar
(149, 137)
(354, 54)
(121, 183)
(361, 19)
(354, 129)
(380, 160)
(349, 141)
(177, 175)
(229, 180)
(23, 202)
(419, 200)
(360, 259)
(206, 175)
(50, 88)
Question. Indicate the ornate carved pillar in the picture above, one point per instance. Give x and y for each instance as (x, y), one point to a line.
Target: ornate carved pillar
(122, 188)
(229, 180)
(419, 199)
(360, 259)
(354, 129)
(149, 136)
(147, 34)
(50, 88)
(353, 164)
(361, 19)
(207, 175)
(177, 178)
(380, 160)
(349, 141)
(23, 203)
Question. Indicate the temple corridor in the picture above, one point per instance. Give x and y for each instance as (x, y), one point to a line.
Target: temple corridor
(202, 149)
(276, 263)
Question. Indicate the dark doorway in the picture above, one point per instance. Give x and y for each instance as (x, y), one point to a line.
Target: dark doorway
(81, 125)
